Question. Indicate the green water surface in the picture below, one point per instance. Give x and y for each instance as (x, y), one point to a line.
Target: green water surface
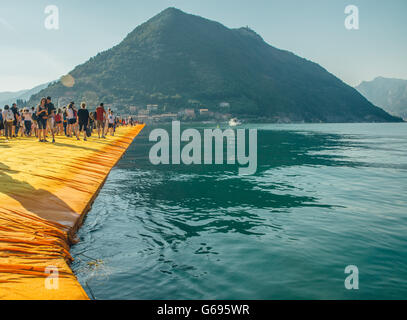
(325, 196)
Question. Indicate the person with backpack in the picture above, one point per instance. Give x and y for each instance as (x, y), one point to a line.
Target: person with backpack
(8, 118)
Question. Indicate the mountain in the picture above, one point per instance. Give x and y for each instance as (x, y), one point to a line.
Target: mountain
(6, 96)
(11, 97)
(181, 60)
(387, 93)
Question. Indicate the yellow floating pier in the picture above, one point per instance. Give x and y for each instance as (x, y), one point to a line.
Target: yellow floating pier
(45, 191)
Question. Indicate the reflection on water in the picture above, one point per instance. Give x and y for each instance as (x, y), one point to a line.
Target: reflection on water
(324, 197)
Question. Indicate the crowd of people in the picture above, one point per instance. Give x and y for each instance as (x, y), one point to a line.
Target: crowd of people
(47, 121)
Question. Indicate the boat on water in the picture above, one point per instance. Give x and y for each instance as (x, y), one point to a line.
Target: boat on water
(234, 122)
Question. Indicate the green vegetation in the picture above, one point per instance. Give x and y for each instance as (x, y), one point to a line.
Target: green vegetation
(181, 61)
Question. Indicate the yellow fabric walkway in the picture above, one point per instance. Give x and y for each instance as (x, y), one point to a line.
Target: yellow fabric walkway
(45, 191)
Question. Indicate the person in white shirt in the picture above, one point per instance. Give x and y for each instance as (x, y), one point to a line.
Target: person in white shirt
(111, 119)
(70, 115)
(107, 129)
(27, 121)
(8, 118)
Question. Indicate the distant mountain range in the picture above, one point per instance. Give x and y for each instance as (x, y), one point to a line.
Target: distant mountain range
(181, 61)
(11, 97)
(387, 93)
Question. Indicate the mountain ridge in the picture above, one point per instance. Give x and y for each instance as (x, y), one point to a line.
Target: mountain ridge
(388, 93)
(10, 97)
(175, 58)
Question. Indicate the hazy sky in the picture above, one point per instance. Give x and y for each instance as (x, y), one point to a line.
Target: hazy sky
(314, 29)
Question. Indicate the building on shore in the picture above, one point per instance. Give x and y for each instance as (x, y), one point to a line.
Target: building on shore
(165, 117)
(187, 114)
(152, 107)
(143, 112)
(142, 118)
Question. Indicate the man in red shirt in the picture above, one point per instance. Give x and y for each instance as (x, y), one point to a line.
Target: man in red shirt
(100, 119)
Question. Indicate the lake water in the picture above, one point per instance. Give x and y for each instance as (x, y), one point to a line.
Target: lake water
(325, 196)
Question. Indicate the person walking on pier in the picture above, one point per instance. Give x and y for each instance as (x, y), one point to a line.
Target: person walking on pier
(51, 117)
(8, 118)
(65, 120)
(42, 116)
(1, 123)
(27, 122)
(83, 119)
(16, 120)
(34, 124)
(100, 120)
(107, 121)
(111, 121)
(71, 129)
(58, 122)
(92, 119)
(20, 124)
